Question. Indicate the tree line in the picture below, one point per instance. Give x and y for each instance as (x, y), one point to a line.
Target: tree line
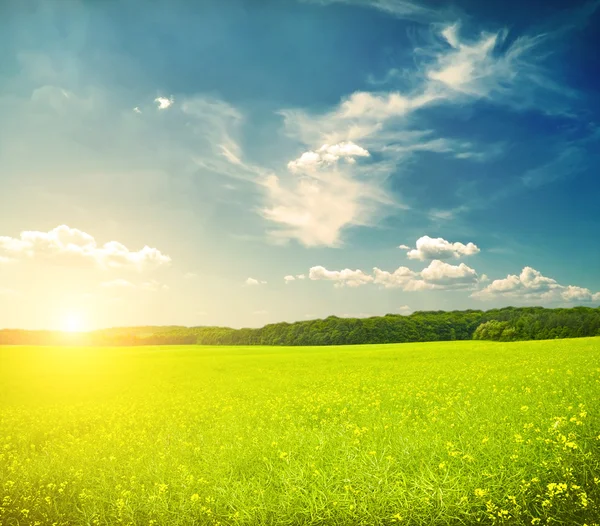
(506, 324)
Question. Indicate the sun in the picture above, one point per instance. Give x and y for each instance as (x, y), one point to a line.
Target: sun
(73, 322)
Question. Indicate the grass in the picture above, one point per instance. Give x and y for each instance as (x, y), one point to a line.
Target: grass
(435, 433)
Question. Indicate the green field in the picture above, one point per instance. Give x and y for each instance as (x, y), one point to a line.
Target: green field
(431, 433)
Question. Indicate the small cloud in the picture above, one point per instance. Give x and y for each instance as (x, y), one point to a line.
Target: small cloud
(346, 277)
(137, 110)
(252, 282)
(404, 247)
(404, 310)
(439, 248)
(328, 154)
(300, 276)
(289, 278)
(163, 102)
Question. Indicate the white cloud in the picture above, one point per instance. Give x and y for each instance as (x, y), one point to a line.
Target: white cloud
(137, 110)
(315, 208)
(405, 310)
(252, 282)
(443, 274)
(402, 277)
(163, 102)
(350, 278)
(300, 276)
(70, 246)
(438, 275)
(289, 278)
(530, 284)
(327, 154)
(379, 122)
(404, 247)
(439, 248)
(490, 67)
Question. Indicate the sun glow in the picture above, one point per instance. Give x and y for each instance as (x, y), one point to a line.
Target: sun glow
(73, 322)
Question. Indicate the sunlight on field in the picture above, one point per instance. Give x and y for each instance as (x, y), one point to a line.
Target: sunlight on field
(440, 433)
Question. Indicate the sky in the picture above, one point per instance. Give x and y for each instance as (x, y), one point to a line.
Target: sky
(245, 162)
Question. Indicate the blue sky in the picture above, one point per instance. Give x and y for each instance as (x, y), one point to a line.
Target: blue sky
(181, 162)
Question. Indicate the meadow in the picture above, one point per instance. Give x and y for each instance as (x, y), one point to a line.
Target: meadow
(428, 433)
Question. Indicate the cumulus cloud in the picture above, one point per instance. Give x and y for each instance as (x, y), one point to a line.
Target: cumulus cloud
(443, 274)
(327, 154)
(530, 284)
(346, 277)
(439, 248)
(70, 246)
(251, 282)
(163, 102)
(438, 275)
(405, 310)
(402, 277)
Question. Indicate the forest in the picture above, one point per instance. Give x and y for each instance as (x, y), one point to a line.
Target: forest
(505, 324)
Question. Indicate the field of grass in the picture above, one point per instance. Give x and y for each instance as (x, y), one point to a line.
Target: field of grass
(435, 433)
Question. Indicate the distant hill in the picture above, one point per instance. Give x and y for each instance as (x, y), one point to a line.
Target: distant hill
(507, 324)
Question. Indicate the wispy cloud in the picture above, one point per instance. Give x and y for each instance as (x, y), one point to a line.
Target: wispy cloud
(403, 9)
(452, 70)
